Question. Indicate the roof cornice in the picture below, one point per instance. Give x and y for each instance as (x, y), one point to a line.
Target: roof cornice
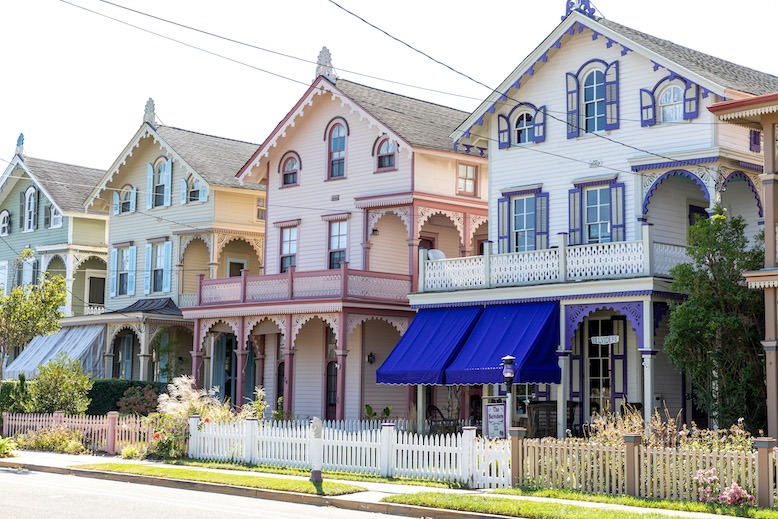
(18, 161)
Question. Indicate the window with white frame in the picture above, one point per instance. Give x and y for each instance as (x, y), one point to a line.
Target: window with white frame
(160, 184)
(261, 209)
(467, 179)
(5, 223)
(523, 224)
(123, 271)
(594, 101)
(670, 104)
(193, 189)
(158, 267)
(288, 248)
(290, 170)
(28, 272)
(597, 214)
(337, 243)
(125, 199)
(30, 209)
(337, 151)
(56, 218)
(387, 151)
(524, 128)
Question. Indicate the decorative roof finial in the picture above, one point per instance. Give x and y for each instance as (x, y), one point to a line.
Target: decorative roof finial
(20, 145)
(582, 6)
(324, 65)
(148, 115)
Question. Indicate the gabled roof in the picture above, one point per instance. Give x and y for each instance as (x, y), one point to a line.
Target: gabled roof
(65, 185)
(710, 73)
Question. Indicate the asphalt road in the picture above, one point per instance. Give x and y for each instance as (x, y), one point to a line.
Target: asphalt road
(32, 495)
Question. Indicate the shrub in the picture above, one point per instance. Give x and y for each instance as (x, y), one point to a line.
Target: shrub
(57, 438)
(107, 392)
(138, 400)
(7, 447)
(133, 452)
(169, 438)
(20, 399)
(736, 496)
(61, 385)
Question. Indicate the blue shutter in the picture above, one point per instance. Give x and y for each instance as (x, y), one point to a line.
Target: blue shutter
(541, 221)
(184, 189)
(572, 105)
(647, 108)
(127, 361)
(539, 125)
(147, 269)
(617, 212)
(612, 96)
(164, 357)
(691, 105)
(203, 192)
(133, 199)
(133, 259)
(149, 186)
(574, 217)
(113, 267)
(21, 211)
(503, 225)
(167, 179)
(755, 140)
(503, 132)
(116, 203)
(219, 352)
(167, 273)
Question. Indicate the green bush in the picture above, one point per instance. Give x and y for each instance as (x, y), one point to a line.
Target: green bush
(133, 452)
(107, 392)
(57, 438)
(139, 401)
(61, 385)
(7, 446)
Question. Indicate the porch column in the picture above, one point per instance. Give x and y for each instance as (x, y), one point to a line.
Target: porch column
(562, 393)
(145, 353)
(242, 353)
(465, 248)
(69, 278)
(420, 406)
(288, 367)
(341, 353)
(770, 186)
(771, 374)
(259, 355)
(108, 365)
(648, 385)
(213, 263)
(413, 248)
(197, 354)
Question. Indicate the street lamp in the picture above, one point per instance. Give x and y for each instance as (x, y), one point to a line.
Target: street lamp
(508, 372)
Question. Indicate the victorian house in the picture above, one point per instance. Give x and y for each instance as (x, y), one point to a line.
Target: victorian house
(358, 180)
(41, 209)
(176, 212)
(601, 153)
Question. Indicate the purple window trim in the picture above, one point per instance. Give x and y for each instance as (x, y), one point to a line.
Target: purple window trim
(541, 238)
(675, 163)
(575, 221)
(674, 173)
(522, 192)
(751, 166)
(754, 190)
(620, 227)
(660, 309)
(593, 183)
(755, 141)
(574, 315)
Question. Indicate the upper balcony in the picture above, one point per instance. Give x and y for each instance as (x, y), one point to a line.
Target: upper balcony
(343, 283)
(626, 259)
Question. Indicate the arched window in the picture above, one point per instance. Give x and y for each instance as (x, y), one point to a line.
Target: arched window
(125, 197)
(290, 169)
(159, 183)
(30, 209)
(337, 151)
(594, 101)
(5, 223)
(671, 104)
(387, 151)
(193, 189)
(525, 128)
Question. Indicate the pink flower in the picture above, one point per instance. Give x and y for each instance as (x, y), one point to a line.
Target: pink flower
(207, 419)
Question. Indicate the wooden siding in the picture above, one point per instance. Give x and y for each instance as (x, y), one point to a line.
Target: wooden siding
(668, 209)
(389, 250)
(196, 258)
(739, 200)
(435, 174)
(238, 250)
(309, 372)
(380, 338)
(90, 231)
(234, 207)
(80, 297)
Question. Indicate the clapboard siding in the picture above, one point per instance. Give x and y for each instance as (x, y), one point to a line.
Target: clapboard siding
(309, 375)
(389, 252)
(89, 231)
(668, 209)
(379, 339)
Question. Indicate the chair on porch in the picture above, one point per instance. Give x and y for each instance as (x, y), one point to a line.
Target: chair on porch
(438, 424)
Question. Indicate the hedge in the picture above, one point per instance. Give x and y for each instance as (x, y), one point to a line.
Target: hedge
(106, 392)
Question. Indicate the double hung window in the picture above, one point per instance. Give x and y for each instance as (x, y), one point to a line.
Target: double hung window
(467, 179)
(337, 151)
(123, 270)
(337, 244)
(597, 213)
(288, 247)
(523, 224)
(594, 101)
(387, 151)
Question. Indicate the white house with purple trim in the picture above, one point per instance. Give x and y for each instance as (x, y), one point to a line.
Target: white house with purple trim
(601, 152)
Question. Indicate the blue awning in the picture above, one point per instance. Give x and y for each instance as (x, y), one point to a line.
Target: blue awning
(528, 331)
(434, 337)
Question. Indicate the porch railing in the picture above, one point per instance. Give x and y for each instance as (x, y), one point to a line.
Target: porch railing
(342, 283)
(623, 259)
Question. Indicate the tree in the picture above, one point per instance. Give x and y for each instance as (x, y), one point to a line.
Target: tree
(715, 332)
(61, 385)
(30, 310)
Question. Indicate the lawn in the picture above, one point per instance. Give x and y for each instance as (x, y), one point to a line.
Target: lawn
(326, 488)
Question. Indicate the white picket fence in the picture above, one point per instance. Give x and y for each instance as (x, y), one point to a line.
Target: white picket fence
(385, 451)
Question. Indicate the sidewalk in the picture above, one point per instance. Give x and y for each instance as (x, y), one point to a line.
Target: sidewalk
(369, 500)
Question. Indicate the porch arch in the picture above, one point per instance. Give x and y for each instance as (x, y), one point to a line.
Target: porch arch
(299, 321)
(458, 219)
(575, 315)
(398, 323)
(736, 175)
(185, 242)
(674, 173)
(403, 213)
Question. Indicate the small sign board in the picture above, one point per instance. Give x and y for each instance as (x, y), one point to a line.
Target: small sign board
(495, 420)
(605, 339)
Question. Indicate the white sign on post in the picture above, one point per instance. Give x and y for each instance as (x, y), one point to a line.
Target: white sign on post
(605, 339)
(495, 420)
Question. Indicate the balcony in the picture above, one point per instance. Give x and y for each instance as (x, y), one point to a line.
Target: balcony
(627, 259)
(343, 283)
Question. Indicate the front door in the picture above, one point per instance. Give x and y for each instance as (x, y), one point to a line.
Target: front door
(606, 365)
(224, 365)
(332, 390)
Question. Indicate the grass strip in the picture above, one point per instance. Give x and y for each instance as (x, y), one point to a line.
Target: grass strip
(514, 508)
(645, 502)
(326, 488)
(305, 472)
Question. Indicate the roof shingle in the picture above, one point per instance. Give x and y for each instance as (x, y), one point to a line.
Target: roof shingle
(68, 185)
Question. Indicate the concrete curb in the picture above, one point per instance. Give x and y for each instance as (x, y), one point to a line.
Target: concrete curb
(276, 495)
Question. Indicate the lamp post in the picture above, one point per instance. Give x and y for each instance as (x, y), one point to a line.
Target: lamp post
(508, 372)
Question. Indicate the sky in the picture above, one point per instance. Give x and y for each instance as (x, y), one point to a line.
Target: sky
(76, 83)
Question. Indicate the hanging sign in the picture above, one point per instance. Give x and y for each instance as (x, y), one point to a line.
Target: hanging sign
(495, 420)
(605, 339)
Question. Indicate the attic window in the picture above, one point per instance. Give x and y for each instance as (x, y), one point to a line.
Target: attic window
(56, 218)
(5, 223)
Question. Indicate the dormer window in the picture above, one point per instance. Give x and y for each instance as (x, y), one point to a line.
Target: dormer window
(124, 200)
(5, 223)
(337, 151)
(387, 152)
(525, 128)
(671, 104)
(30, 209)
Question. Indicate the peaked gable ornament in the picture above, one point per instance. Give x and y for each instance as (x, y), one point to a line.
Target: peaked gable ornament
(583, 6)
(149, 115)
(324, 65)
(20, 145)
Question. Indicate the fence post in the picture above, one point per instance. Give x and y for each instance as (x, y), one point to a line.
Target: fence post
(517, 435)
(113, 431)
(59, 417)
(194, 445)
(250, 441)
(386, 447)
(468, 457)
(764, 490)
(316, 450)
(6, 425)
(632, 442)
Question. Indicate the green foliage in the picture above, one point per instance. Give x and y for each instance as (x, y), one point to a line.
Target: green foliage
(138, 400)
(57, 438)
(169, 437)
(61, 385)
(369, 413)
(106, 393)
(715, 332)
(29, 311)
(7, 447)
(20, 400)
(133, 452)
(278, 413)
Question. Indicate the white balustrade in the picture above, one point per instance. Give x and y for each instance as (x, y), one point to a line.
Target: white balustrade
(605, 260)
(519, 268)
(667, 256)
(187, 300)
(94, 310)
(455, 273)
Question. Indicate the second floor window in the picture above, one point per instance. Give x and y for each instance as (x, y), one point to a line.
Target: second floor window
(386, 154)
(158, 269)
(337, 151)
(523, 224)
(56, 218)
(30, 209)
(525, 128)
(123, 270)
(5, 223)
(338, 244)
(467, 179)
(671, 104)
(290, 170)
(597, 215)
(261, 210)
(594, 102)
(288, 247)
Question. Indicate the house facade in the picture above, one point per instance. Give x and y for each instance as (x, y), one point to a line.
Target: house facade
(601, 153)
(41, 209)
(176, 212)
(358, 179)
